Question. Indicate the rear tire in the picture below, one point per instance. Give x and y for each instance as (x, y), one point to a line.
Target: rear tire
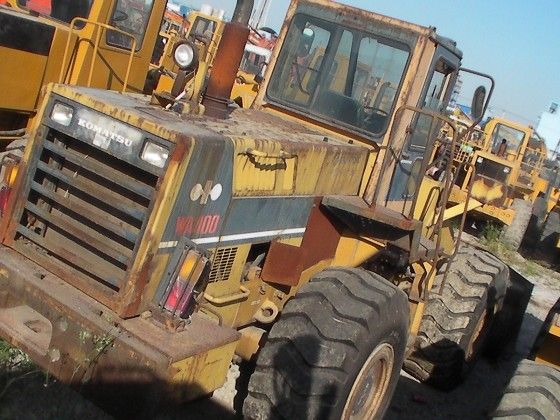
(337, 349)
(456, 324)
(538, 216)
(550, 232)
(513, 234)
(533, 392)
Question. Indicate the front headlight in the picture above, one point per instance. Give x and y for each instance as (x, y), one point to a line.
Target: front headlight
(507, 170)
(479, 160)
(185, 55)
(154, 154)
(62, 114)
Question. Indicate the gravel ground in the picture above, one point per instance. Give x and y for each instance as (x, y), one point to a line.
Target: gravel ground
(34, 396)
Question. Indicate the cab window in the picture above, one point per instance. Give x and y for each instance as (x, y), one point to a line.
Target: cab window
(339, 74)
(63, 10)
(509, 136)
(435, 99)
(130, 16)
(202, 29)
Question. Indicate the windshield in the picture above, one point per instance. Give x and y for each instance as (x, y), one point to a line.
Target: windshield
(506, 138)
(63, 10)
(254, 60)
(339, 74)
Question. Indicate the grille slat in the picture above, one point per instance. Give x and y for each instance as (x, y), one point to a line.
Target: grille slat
(78, 184)
(85, 213)
(107, 247)
(492, 169)
(130, 234)
(88, 260)
(101, 170)
(222, 264)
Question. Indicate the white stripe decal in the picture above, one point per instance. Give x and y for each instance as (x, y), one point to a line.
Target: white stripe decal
(237, 237)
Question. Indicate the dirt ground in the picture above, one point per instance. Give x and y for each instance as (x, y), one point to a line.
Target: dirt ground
(26, 393)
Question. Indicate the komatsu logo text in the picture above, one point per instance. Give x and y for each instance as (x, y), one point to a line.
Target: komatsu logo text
(104, 132)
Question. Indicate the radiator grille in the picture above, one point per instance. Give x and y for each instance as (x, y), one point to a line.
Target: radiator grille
(222, 264)
(85, 210)
(492, 169)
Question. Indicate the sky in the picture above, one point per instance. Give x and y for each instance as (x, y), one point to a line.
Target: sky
(515, 41)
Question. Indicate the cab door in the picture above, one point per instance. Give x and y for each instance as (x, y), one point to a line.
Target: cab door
(418, 145)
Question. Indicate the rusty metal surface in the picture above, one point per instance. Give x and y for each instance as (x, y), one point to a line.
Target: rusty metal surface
(224, 69)
(86, 337)
(357, 205)
(284, 263)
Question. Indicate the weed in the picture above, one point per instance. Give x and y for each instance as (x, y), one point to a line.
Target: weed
(10, 357)
(491, 233)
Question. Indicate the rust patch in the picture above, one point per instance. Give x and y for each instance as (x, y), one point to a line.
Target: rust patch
(285, 263)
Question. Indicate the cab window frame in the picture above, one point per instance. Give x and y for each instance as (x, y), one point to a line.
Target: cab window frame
(139, 43)
(336, 32)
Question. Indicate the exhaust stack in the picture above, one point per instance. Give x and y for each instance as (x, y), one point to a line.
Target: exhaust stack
(227, 61)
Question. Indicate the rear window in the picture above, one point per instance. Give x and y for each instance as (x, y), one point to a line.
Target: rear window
(63, 10)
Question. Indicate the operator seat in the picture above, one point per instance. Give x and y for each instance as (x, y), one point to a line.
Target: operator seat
(337, 106)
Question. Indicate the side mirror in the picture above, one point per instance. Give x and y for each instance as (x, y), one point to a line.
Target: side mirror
(477, 106)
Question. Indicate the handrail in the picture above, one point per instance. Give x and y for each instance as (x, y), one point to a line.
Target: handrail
(73, 29)
(461, 226)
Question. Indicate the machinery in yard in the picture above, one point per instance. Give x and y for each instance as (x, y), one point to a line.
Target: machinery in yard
(501, 166)
(549, 240)
(105, 44)
(143, 247)
(534, 388)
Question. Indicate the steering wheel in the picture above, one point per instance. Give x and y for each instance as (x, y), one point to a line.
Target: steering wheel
(120, 16)
(377, 111)
(201, 38)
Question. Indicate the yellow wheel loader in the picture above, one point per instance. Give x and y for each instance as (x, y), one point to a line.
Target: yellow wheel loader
(143, 247)
(501, 168)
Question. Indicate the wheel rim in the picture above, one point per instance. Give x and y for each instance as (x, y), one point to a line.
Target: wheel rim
(370, 386)
(477, 336)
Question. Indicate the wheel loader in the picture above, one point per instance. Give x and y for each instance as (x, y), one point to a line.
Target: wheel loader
(144, 247)
(535, 386)
(105, 44)
(501, 166)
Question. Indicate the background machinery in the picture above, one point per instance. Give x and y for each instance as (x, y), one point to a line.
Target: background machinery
(105, 44)
(501, 165)
(143, 246)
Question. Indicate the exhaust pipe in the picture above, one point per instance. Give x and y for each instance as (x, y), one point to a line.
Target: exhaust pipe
(242, 12)
(227, 60)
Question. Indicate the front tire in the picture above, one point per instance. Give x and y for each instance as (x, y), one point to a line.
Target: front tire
(336, 351)
(513, 234)
(456, 324)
